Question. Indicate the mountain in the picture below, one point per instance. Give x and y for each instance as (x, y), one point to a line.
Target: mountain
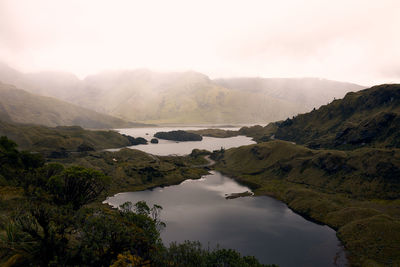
(309, 92)
(370, 117)
(23, 107)
(183, 97)
(187, 97)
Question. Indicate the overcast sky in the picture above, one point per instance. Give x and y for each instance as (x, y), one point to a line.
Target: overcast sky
(349, 40)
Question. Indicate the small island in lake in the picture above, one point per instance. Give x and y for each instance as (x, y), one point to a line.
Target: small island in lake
(135, 141)
(179, 135)
(236, 195)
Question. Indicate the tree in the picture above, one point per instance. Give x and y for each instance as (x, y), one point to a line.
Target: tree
(77, 186)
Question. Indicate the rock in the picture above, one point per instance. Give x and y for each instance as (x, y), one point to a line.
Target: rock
(154, 141)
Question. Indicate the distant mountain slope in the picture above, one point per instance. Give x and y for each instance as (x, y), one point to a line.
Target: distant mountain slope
(367, 117)
(20, 106)
(191, 97)
(182, 97)
(310, 92)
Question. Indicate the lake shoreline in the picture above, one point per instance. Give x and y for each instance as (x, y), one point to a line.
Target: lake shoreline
(350, 260)
(213, 172)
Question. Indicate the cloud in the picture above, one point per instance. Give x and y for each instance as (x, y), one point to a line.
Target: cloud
(350, 40)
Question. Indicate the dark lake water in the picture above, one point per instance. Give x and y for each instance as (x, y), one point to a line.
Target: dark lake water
(165, 147)
(258, 226)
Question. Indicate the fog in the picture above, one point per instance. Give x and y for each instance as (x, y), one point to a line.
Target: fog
(355, 41)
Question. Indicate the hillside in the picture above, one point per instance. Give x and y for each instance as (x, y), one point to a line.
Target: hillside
(370, 117)
(351, 182)
(23, 107)
(187, 97)
(355, 192)
(61, 138)
(182, 97)
(309, 92)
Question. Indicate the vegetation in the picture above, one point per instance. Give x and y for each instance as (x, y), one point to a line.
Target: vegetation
(218, 133)
(370, 117)
(133, 170)
(355, 189)
(61, 140)
(51, 216)
(135, 141)
(179, 135)
(351, 191)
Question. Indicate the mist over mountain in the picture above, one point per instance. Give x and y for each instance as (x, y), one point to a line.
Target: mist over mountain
(183, 97)
(310, 92)
(20, 106)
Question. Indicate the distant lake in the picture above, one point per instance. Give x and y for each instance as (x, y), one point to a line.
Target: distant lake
(165, 147)
(258, 226)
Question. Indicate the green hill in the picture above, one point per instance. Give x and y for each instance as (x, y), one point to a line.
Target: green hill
(370, 117)
(351, 182)
(23, 107)
(61, 138)
(361, 173)
(355, 192)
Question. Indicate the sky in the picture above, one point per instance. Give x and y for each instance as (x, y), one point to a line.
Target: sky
(347, 40)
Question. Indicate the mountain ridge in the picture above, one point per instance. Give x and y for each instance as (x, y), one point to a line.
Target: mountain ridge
(20, 106)
(181, 97)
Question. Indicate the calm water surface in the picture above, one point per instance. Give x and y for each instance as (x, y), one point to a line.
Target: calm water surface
(259, 226)
(165, 147)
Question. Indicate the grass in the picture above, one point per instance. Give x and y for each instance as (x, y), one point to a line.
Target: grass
(134, 170)
(46, 139)
(347, 190)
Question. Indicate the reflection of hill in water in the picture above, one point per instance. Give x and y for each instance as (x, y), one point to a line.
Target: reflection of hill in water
(259, 226)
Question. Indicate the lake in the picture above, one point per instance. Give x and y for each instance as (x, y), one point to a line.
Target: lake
(258, 226)
(166, 147)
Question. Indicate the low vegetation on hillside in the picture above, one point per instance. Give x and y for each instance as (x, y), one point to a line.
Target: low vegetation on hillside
(51, 215)
(370, 117)
(63, 139)
(134, 170)
(340, 166)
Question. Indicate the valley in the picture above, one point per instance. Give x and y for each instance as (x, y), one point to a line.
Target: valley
(337, 165)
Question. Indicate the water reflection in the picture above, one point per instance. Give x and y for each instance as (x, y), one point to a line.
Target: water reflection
(259, 226)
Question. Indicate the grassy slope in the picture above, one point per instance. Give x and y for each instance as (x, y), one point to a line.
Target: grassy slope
(41, 138)
(369, 117)
(133, 170)
(23, 107)
(347, 190)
